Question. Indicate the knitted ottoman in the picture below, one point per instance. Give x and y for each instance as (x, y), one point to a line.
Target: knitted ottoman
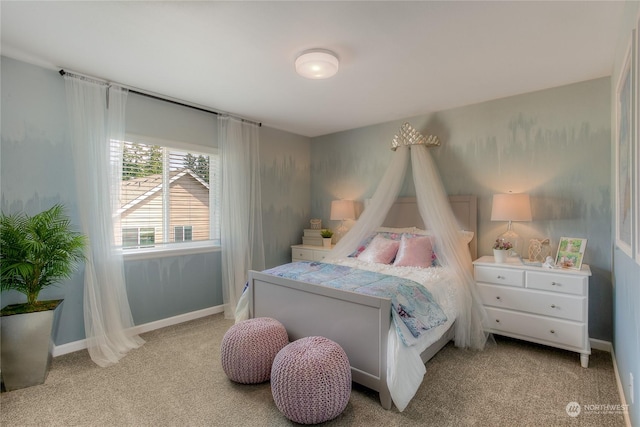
(249, 347)
(311, 380)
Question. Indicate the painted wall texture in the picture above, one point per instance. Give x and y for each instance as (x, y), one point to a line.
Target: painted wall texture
(37, 171)
(285, 175)
(626, 271)
(553, 144)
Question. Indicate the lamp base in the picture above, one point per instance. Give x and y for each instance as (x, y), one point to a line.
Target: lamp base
(511, 237)
(340, 231)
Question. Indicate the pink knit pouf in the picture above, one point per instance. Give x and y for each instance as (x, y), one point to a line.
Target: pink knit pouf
(249, 347)
(311, 380)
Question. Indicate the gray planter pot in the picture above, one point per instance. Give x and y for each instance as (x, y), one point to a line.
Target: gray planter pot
(26, 341)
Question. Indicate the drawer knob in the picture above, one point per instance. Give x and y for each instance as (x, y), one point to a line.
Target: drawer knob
(497, 297)
(500, 277)
(497, 320)
(555, 284)
(552, 331)
(553, 306)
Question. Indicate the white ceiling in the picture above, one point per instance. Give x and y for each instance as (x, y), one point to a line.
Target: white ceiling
(397, 59)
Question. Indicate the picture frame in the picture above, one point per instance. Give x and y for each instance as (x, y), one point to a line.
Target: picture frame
(624, 198)
(636, 142)
(571, 252)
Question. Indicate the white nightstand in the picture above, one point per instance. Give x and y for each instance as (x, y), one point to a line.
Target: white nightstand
(309, 252)
(546, 306)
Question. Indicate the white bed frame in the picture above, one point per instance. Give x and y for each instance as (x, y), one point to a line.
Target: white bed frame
(358, 323)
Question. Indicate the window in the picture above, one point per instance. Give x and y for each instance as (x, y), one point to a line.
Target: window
(183, 233)
(136, 237)
(168, 195)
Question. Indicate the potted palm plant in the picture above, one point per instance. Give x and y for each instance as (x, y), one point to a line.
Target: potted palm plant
(35, 252)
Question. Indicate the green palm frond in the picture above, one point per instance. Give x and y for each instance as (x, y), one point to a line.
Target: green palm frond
(38, 251)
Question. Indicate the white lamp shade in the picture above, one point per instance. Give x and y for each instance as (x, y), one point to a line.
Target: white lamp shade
(317, 64)
(342, 210)
(511, 207)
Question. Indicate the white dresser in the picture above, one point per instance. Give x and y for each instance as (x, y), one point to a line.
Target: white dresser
(308, 252)
(546, 306)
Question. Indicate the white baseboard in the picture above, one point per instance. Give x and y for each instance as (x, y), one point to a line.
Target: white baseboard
(601, 345)
(623, 399)
(59, 350)
(608, 347)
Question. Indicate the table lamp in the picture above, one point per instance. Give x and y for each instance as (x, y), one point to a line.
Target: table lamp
(342, 210)
(511, 207)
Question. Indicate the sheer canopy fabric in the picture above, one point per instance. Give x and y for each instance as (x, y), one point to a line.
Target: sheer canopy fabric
(435, 210)
(95, 127)
(438, 217)
(241, 204)
(375, 213)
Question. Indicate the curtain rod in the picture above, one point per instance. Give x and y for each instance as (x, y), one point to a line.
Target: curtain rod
(159, 97)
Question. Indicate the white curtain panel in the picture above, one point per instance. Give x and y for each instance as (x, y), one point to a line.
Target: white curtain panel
(107, 315)
(241, 218)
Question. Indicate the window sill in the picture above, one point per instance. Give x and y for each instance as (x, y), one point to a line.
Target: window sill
(163, 251)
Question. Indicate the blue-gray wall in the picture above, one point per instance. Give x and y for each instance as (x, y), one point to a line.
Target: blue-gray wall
(36, 171)
(553, 144)
(285, 193)
(626, 271)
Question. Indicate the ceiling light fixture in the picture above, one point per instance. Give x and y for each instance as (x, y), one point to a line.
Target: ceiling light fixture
(317, 64)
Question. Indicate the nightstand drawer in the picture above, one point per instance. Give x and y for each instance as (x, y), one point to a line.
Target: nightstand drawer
(543, 303)
(500, 276)
(526, 326)
(320, 255)
(302, 254)
(556, 283)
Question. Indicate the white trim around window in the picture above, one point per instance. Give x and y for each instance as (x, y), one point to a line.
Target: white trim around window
(171, 249)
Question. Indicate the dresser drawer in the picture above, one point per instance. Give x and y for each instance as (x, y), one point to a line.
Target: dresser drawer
(575, 285)
(544, 303)
(320, 255)
(302, 254)
(500, 276)
(527, 326)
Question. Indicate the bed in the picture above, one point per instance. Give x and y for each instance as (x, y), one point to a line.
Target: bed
(361, 324)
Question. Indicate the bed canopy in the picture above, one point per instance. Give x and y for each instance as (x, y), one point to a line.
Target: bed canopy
(437, 216)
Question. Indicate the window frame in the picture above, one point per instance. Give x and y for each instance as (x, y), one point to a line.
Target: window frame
(166, 249)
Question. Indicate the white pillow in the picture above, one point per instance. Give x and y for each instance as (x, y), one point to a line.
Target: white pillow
(468, 235)
(396, 230)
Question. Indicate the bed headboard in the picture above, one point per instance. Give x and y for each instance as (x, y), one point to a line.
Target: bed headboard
(404, 213)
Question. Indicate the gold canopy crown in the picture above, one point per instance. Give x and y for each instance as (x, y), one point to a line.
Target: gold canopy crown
(408, 135)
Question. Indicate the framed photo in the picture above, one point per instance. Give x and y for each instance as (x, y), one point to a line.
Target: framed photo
(570, 252)
(624, 222)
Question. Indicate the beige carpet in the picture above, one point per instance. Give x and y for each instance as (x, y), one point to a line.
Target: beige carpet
(176, 379)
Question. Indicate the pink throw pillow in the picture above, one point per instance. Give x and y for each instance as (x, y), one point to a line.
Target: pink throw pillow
(414, 252)
(380, 250)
